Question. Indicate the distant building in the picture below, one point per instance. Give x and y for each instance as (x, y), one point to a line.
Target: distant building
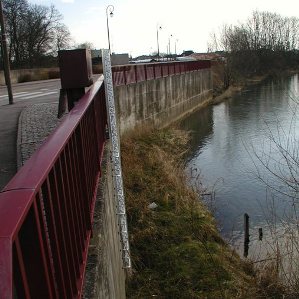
(187, 53)
(119, 59)
(208, 56)
(96, 56)
(116, 59)
(143, 57)
(150, 60)
(185, 58)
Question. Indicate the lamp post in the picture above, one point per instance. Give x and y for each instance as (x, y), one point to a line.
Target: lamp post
(169, 46)
(158, 28)
(175, 46)
(109, 11)
(5, 56)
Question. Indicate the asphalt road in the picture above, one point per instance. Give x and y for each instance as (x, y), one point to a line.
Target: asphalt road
(24, 94)
(32, 92)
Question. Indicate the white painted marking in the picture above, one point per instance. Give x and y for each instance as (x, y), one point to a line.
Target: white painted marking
(38, 95)
(28, 94)
(15, 94)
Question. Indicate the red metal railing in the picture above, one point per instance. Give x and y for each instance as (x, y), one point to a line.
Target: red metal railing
(127, 74)
(46, 210)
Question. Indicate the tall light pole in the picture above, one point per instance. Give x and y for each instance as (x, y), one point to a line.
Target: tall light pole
(169, 45)
(158, 28)
(5, 56)
(175, 46)
(109, 12)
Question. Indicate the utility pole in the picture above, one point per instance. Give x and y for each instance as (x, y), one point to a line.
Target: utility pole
(5, 56)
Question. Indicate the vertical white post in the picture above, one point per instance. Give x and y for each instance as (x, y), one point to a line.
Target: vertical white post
(115, 158)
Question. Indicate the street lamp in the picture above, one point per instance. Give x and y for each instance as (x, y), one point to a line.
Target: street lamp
(175, 46)
(158, 28)
(109, 11)
(169, 46)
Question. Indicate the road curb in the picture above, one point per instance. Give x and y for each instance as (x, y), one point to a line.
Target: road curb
(19, 134)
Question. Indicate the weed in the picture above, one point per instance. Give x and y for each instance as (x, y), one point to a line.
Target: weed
(24, 78)
(176, 249)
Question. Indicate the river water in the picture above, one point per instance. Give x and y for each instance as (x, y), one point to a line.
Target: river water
(244, 156)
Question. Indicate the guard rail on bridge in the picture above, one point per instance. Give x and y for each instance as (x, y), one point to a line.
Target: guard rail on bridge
(127, 74)
(46, 210)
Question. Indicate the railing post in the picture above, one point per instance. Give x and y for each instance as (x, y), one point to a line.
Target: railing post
(135, 69)
(145, 72)
(6, 269)
(124, 74)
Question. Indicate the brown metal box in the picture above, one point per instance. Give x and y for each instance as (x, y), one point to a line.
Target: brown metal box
(75, 68)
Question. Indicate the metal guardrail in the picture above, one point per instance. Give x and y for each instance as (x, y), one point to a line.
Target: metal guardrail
(128, 74)
(46, 210)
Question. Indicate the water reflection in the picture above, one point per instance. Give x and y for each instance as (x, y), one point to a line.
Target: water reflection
(232, 141)
(200, 124)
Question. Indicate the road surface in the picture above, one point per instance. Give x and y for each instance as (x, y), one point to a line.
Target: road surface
(24, 94)
(32, 92)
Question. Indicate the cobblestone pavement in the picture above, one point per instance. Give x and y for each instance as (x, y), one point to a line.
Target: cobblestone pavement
(36, 122)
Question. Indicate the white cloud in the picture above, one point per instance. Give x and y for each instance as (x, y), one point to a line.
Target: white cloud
(68, 1)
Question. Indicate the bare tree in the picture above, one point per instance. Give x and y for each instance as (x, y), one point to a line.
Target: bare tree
(40, 37)
(15, 12)
(265, 42)
(62, 37)
(85, 45)
(34, 32)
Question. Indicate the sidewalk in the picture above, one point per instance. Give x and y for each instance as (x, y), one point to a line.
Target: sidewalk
(36, 122)
(23, 127)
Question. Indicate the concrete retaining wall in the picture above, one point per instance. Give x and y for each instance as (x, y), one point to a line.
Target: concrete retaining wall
(105, 276)
(161, 101)
(156, 102)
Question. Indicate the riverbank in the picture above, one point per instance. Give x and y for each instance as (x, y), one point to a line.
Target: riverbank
(176, 249)
(221, 94)
(236, 88)
(228, 140)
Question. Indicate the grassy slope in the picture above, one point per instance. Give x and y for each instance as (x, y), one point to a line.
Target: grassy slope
(176, 249)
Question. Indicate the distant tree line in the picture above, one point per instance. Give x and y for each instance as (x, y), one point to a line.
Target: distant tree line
(266, 42)
(34, 32)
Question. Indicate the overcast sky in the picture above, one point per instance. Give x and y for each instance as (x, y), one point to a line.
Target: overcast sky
(134, 24)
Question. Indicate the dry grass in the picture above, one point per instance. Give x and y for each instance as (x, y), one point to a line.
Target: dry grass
(39, 75)
(176, 249)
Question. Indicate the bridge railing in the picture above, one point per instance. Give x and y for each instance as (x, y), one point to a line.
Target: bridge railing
(128, 74)
(46, 210)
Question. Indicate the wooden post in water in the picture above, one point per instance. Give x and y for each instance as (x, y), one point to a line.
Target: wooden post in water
(246, 234)
(260, 234)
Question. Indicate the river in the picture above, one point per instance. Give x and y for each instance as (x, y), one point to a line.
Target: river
(244, 155)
